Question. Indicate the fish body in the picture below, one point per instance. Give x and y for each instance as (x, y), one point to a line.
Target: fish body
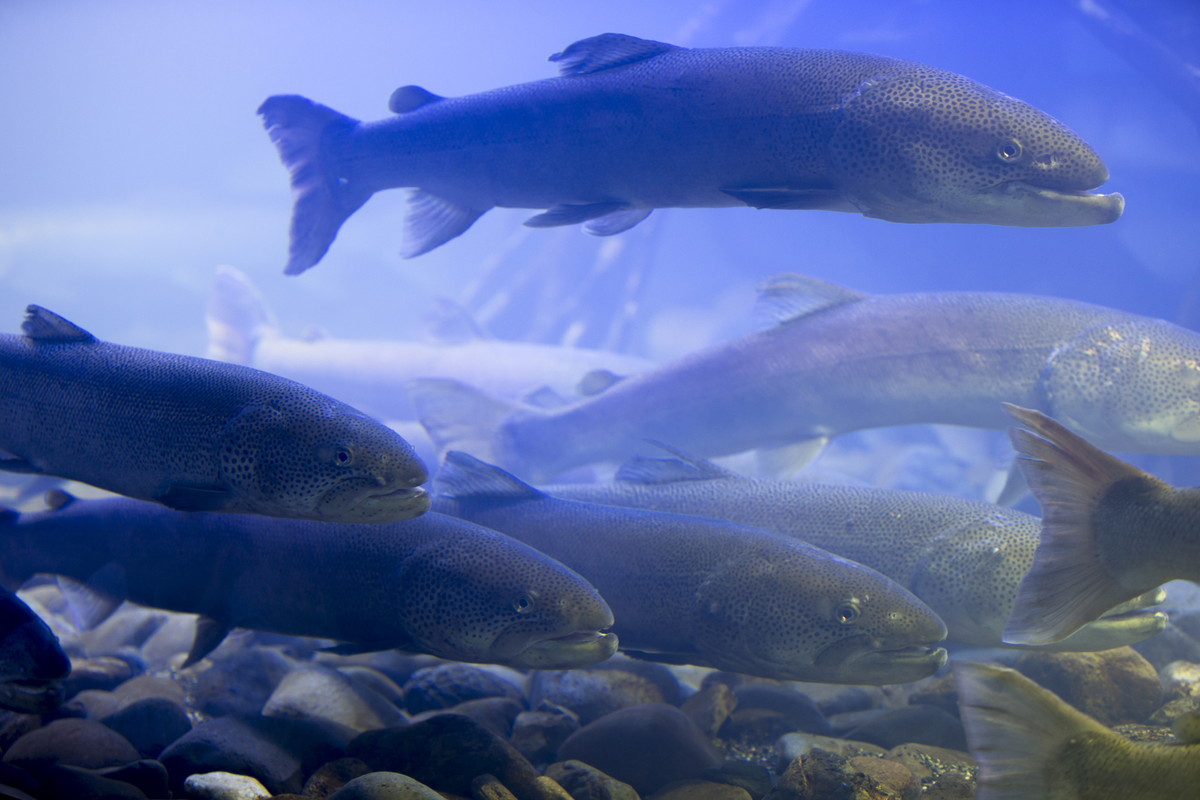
(842, 361)
(1030, 745)
(194, 434)
(963, 558)
(32, 662)
(632, 125)
(373, 374)
(1110, 530)
(697, 591)
(433, 584)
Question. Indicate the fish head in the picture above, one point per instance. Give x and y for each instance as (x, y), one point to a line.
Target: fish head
(494, 600)
(799, 613)
(932, 146)
(32, 663)
(1130, 386)
(317, 458)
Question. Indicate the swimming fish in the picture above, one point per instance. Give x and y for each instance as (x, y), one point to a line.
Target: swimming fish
(434, 584)
(697, 591)
(631, 125)
(963, 558)
(194, 434)
(373, 374)
(32, 662)
(841, 361)
(1109, 532)
(1030, 745)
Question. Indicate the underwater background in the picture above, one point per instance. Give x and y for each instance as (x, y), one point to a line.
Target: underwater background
(133, 164)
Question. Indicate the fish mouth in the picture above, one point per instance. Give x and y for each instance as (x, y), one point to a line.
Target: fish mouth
(576, 649)
(1043, 207)
(862, 661)
(31, 696)
(391, 505)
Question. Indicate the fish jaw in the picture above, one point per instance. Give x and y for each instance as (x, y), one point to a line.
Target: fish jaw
(1010, 203)
(373, 505)
(577, 649)
(31, 696)
(863, 661)
(1110, 631)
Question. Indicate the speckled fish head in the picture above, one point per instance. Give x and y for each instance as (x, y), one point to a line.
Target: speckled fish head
(495, 600)
(799, 613)
(32, 663)
(1131, 386)
(317, 458)
(932, 146)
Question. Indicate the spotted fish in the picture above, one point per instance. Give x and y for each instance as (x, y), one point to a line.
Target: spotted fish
(32, 662)
(433, 584)
(632, 125)
(194, 434)
(698, 591)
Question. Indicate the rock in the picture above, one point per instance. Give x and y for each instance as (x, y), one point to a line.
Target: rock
(104, 672)
(833, 699)
(169, 645)
(767, 711)
(537, 735)
(921, 724)
(756, 779)
(238, 684)
(451, 683)
(710, 707)
(585, 782)
(333, 776)
(893, 778)
(700, 790)
(1181, 692)
(1171, 644)
(129, 627)
(150, 724)
(224, 786)
(794, 745)
(376, 681)
(72, 742)
(385, 786)
(950, 786)
(593, 693)
(1111, 686)
(486, 787)
(278, 752)
(939, 693)
(147, 775)
(61, 781)
(317, 692)
(646, 746)
(446, 752)
(926, 761)
(494, 713)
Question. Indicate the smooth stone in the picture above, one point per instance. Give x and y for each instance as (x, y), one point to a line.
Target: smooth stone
(487, 787)
(950, 786)
(593, 693)
(168, 646)
(754, 778)
(150, 724)
(148, 775)
(278, 752)
(1170, 644)
(240, 683)
(700, 790)
(939, 693)
(224, 786)
(15, 726)
(395, 664)
(446, 752)
(895, 779)
(791, 746)
(796, 709)
(918, 724)
(538, 734)
(646, 746)
(333, 775)
(585, 782)
(73, 742)
(17, 779)
(710, 707)
(497, 714)
(385, 786)
(1181, 692)
(376, 681)
(103, 672)
(130, 626)
(317, 692)
(1112, 686)
(448, 684)
(926, 761)
(833, 699)
(62, 781)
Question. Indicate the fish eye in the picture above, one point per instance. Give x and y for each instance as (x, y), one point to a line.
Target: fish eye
(847, 613)
(1009, 150)
(523, 604)
(342, 456)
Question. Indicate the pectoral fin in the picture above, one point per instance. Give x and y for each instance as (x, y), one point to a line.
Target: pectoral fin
(574, 213)
(183, 497)
(209, 634)
(800, 199)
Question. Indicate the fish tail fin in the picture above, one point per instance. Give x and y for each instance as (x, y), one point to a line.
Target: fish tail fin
(461, 417)
(1068, 585)
(1016, 730)
(237, 317)
(302, 131)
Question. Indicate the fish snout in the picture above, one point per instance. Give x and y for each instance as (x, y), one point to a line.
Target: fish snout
(1080, 171)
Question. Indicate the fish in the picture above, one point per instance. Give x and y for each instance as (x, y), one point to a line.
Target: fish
(1031, 745)
(963, 558)
(373, 374)
(631, 125)
(194, 434)
(1110, 530)
(840, 361)
(696, 591)
(432, 584)
(32, 662)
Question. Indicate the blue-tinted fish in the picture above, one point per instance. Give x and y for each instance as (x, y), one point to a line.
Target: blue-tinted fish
(194, 434)
(632, 125)
(32, 662)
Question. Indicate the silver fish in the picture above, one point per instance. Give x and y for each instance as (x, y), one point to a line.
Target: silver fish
(194, 434)
(32, 662)
(632, 125)
(963, 558)
(1110, 530)
(433, 584)
(697, 591)
(842, 361)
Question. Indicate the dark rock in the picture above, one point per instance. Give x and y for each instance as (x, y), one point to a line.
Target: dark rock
(238, 684)
(646, 746)
(333, 776)
(842, 699)
(278, 752)
(754, 778)
(449, 684)
(585, 782)
(494, 713)
(700, 790)
(1181, 692)
(104, 672)
(710, 707)
(1171, 644)
(385, 786)
(147, 775)
(893, 778)
(72, 742)
(927, 762)
(150, 724)
(939, 693)
(61, 781)
(920, 724)
(445, 752)
(766, 711)
(16, 778)
(15, 726)
(593, 693)
(376, 681)
(538, 734)
(1111, 686)
(950, 786)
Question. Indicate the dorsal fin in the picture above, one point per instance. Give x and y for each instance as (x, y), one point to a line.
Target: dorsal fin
(409, 98)
(790, 296)
(464, 476)
(606, 51)
(43, 325)
(683, 467)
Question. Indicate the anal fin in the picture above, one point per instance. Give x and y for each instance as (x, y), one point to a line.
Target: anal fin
(432, 221)
(574, 213)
